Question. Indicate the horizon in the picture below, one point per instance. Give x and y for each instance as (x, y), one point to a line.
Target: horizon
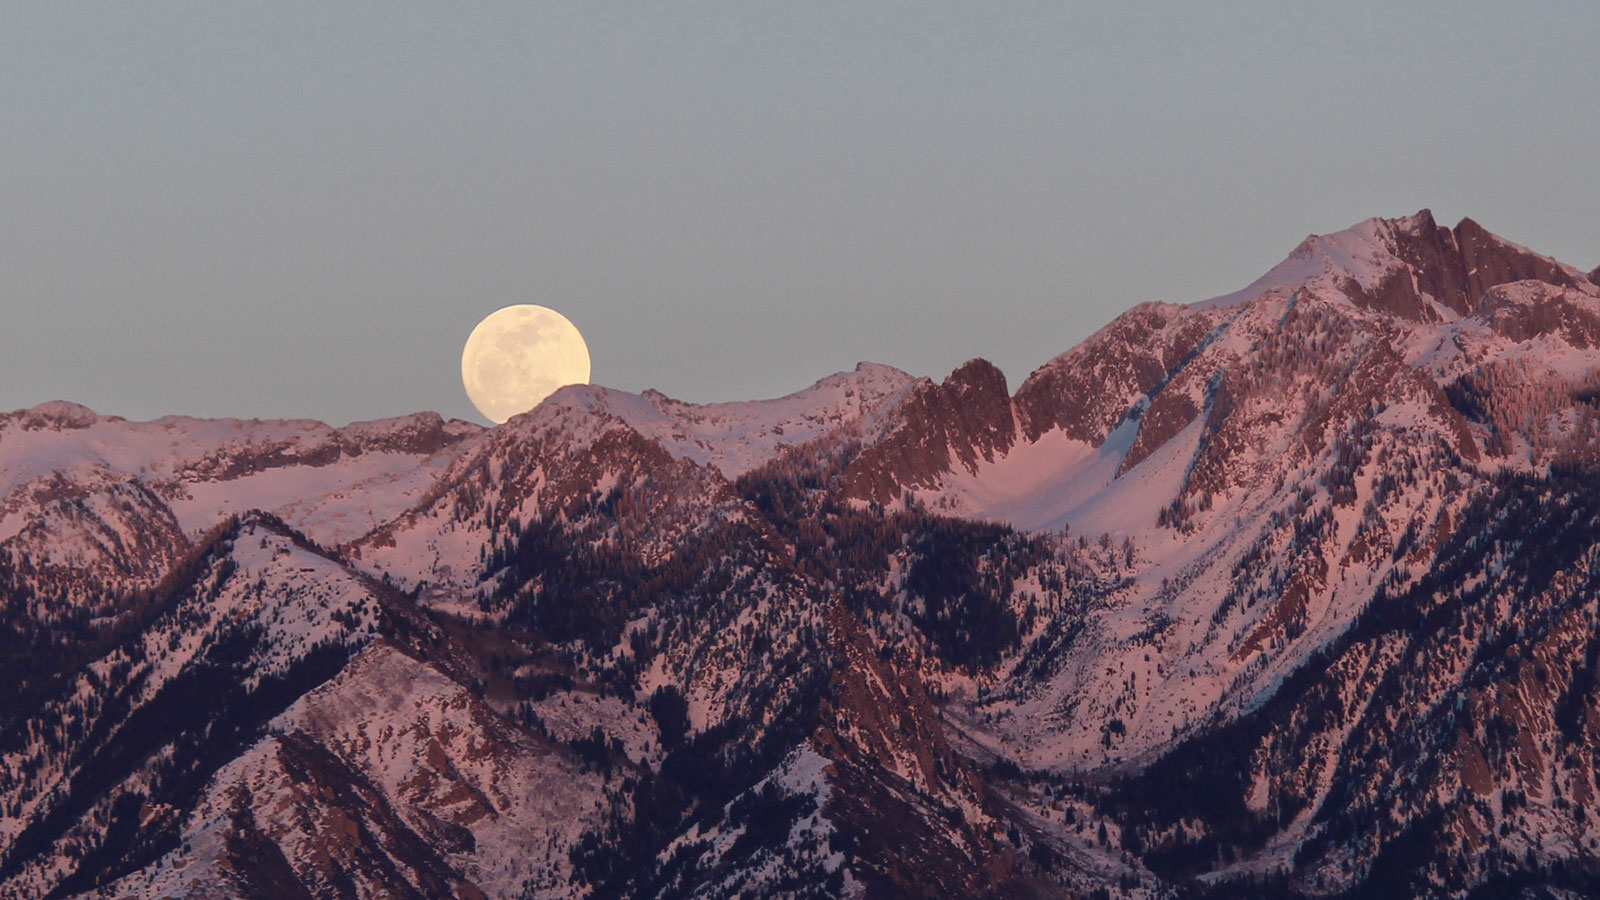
(1012, 385)
(302, 212)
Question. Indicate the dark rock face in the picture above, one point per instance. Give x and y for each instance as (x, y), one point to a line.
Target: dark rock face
(1489, 261)
(1396, 293)
(1169, 413)
(1086, 391)
(898, 774)
(966, 419)
(1434, 253)
(1455, 266)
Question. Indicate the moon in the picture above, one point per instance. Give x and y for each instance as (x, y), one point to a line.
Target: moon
(519, 355)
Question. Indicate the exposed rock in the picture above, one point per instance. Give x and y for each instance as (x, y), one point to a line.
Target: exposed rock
(961, 422)
(1087, 390)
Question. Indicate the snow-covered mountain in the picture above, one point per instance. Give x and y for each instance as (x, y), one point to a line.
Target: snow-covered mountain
(1289, 592)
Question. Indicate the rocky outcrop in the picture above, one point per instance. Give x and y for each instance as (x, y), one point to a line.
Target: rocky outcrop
(1087, 390)
(1525, 311)
(898, 785)
(316, 446)
(963, 421)
(1454, 266)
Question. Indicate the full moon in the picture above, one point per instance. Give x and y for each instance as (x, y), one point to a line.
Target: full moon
(518, 356)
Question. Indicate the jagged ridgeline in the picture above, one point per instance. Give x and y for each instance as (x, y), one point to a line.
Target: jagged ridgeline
(1288, 593)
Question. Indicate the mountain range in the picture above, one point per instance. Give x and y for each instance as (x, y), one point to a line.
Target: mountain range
(1292, 592)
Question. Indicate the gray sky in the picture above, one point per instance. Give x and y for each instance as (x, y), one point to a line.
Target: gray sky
(302, 209)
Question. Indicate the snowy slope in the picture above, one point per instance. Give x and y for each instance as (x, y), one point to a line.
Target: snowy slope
(453, 798)
(334, 484)
(248, 619)
(737, 437)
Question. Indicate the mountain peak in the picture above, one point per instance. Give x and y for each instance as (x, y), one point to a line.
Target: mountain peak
(961, 421)
(57, 414)
(977, 370)
(1419, 222)
(1410, 267)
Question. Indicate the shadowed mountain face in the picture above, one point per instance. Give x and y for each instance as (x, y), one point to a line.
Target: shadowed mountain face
(1291, 593)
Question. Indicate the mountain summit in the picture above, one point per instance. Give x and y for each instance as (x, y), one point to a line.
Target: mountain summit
(1411, 267)
(1290, 592)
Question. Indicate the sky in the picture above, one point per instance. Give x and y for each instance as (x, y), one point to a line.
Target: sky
(302, 209)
